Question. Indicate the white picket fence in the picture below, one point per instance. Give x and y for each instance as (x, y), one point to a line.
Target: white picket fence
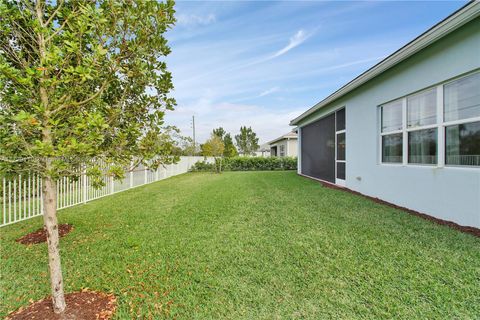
(21, 196)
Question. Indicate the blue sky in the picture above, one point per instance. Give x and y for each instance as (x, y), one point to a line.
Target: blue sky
(262, 63)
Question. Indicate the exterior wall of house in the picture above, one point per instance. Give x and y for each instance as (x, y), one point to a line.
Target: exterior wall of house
(449, 193)
(289, 147)
(292, 147)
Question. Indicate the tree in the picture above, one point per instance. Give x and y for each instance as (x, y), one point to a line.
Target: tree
(229, 150)
(183, 145)
(214, 147)
(187, 147)
(80, 80)
(247, 141)
(219, 132)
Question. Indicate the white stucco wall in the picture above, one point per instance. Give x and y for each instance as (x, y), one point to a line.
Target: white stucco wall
(449, 193)
(290, 145)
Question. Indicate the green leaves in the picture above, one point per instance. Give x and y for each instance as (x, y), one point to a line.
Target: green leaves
(229, 148)
(251, 164)
(213, 147)
(247, 141)
(85, 79)
(101, 50)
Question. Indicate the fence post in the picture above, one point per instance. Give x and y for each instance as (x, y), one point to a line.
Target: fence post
(145, 180)
(84, 182)
(112, 185)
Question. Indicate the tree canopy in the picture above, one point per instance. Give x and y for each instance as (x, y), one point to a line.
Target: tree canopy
(219, 132)
(213, 147)
(229, 148)
(81, 79)
(247, 141)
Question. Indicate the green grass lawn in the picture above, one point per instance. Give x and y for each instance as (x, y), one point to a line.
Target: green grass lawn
(251, 245)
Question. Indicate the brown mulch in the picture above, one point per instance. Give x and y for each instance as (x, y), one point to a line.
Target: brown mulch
(84, 305)
(470, 230)
(40, 235)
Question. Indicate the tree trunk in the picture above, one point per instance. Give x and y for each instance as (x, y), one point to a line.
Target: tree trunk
(49, 188)
(49, 194)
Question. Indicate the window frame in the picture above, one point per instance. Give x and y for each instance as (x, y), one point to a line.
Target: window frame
(387, 133)
(282, 150)
(338, 131)
(440, 125)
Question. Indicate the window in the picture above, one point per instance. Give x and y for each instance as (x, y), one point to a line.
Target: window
(341, 166)
(392, 116)
(421, 112)
(392, 148)
(463, 144)
(422, 108)
(462, 104)
(392, 141)
(440, 125)
(282, 150)
(462, 98)
(341, 146)
(422, 146)
(340, 120)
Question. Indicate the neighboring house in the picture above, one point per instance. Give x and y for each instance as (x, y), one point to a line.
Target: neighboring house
(408, 129)
(263, 151)
(284, 146)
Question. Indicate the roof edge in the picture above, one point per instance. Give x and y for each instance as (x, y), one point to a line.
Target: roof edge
(451, 23)
(284, 137)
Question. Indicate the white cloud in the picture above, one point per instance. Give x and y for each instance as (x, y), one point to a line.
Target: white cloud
(266, 122)
(269, 91)
(298, 38)
(192, 20)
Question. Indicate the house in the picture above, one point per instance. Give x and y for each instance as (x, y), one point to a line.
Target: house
(284, 146)
(263, 151)
(407, 130)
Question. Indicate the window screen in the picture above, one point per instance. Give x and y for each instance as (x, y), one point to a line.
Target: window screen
(341, 120)
(318, 149)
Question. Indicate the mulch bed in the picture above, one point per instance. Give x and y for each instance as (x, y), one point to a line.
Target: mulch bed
(84, 305)
(40, 235)
(470, 230)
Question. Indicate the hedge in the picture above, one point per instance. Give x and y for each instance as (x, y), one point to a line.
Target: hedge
(249, 164)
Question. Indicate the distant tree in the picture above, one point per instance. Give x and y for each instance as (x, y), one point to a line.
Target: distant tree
(160, 147)
(219, 132)
(184, 145)
(188, 149)
(81, 80)
(230, 149)
(214, 147)
(247, 141)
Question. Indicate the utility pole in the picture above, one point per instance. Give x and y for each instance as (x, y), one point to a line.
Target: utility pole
(194, 144)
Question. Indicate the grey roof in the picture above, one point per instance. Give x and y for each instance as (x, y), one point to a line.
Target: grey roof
(290, 135)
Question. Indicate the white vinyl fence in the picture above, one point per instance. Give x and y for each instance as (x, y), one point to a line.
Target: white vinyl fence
(22, 196)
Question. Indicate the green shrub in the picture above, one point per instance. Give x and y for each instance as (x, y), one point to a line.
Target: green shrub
(203, 166)
(250, 164)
